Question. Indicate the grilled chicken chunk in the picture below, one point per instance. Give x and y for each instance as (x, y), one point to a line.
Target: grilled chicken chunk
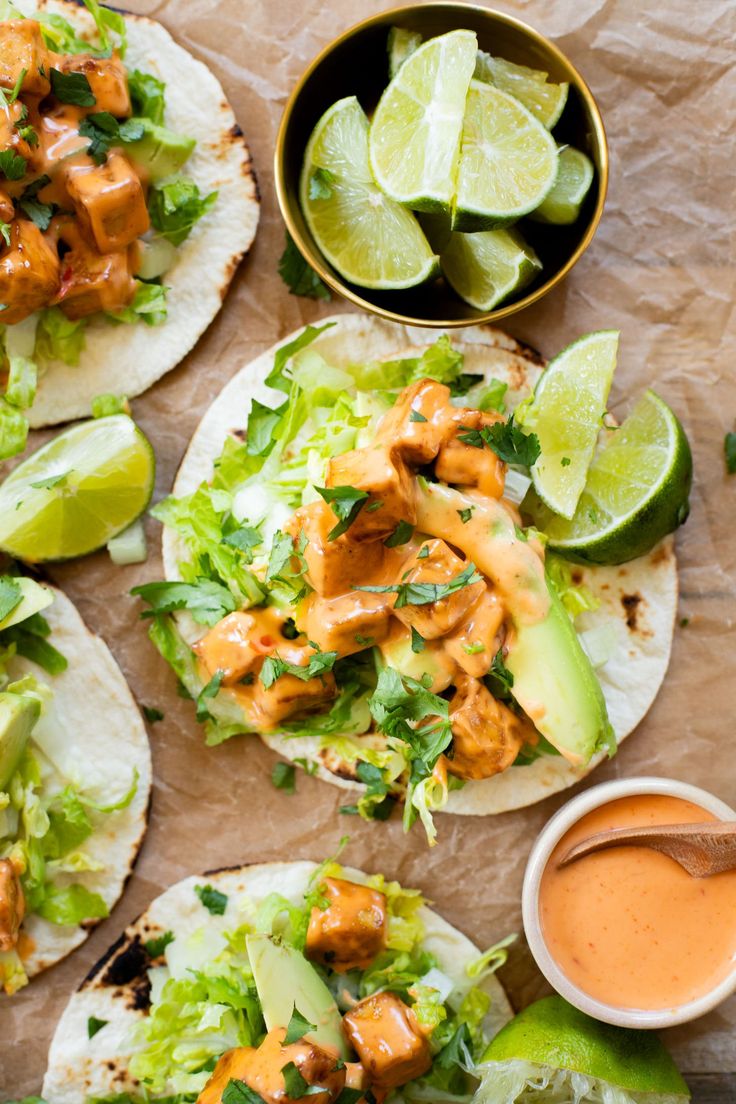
(465, 464)
(107, 79)
(109, 202)
(388, 482)
(475, 641)
(29, 272)
(23, 51)
(352, 930)
(261, 1070)
(440, 565)
(348, 623)
(333, 566)
(12, 905)
(233, 647)
(388, 1040)
(417, 424)
(486, 735)
(91, 281)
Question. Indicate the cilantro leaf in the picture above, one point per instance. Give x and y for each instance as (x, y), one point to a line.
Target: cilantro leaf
(262, 422)
(298, 275)
(5, 231)
(278, 377)
(176, 205)
(31, 206)
(403, 532)
(509, 443)
(49, 482)
(274, 667)
(211, 690)
(12, 165)
(283, 777)
(287, 565)
(499, 679)
(298, 1027)
(94, 1025)
(729, 449)
(237, 1092)
(72, 88)
(214, 901)
(417, 416)
(207, 601)
(417, 641)
(422, 594)
(147, 95)
(457, 1051)
(158, 944)
(346, 503)
(103, 130)
(10, 595)
(296, 1086)
(465, 515)
(319, 184)
(377, 802)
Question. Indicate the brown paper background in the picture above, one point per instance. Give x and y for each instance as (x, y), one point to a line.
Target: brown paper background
(661, 268)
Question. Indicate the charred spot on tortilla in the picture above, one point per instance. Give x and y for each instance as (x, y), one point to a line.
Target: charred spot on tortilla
(631, 603)
(129, 965)
(662, 554)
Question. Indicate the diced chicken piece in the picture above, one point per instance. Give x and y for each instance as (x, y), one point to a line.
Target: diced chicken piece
(290, 694)
(388, 482)
(230, 646)
(261, 1070)
(439, 566)
(11, 121)
(109, 202)
(348, 623)
(29, 272)
(417, 424)
(351, 932)
(7, 210)
(486, 735)
(22, 48)
(12, 905)
(334, 567)
(91, 281)
(388, 1040)
(475, 641)
(107, 79)
(465, 465)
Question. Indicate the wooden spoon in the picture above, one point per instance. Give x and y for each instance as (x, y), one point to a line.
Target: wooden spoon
(701, 849)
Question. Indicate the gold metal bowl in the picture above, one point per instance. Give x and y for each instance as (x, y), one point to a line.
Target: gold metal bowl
(356, 63)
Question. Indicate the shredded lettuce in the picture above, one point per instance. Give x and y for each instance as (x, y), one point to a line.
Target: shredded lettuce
(517, 1081)
(58, 338)
(148, 95)
(439, 362)
(148, 305)
(575, 596)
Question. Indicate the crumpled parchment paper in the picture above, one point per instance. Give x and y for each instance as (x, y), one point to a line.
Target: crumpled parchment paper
(662, 269)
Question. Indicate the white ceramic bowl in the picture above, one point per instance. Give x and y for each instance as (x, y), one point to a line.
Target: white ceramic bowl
(548, 839)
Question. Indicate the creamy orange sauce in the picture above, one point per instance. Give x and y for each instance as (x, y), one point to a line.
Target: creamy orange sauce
(628, 925)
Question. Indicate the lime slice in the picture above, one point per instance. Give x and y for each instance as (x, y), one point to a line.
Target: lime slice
(484, 269)
(371, 240)
(415, 133)
(562, 204)
(401, 43)
(508, 161)
(544, 99)
(566, 413)
(636, 492)
(550, 1050)
(78, 491)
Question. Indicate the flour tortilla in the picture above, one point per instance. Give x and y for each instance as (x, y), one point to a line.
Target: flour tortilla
(128, 359)
(99, 756)
(117, 988)
(639, 598)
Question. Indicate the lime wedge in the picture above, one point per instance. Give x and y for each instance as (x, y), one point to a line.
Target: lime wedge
(371, 240)
(550, 1050)
(415, 133)
(636, 492)
(486, 268)
(508, 161)
(78, 491)
(566, 413)
(544, 99)
(562, 204)
(401, 43)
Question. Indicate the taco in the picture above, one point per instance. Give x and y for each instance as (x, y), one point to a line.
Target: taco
(262, 982)
(127, 199)
(349, 584)
(74, 796)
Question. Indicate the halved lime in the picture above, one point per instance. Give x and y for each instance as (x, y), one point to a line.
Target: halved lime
(550, 1050)
(486, 268)
(636, 492)
(415, 133)
(401, 43)
(371, 240)
(566, 413)
(562, 204)
(508, 161)
(78, 491)
(544, 99)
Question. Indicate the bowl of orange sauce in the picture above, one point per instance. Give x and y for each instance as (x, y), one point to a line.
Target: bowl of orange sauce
(626, 935)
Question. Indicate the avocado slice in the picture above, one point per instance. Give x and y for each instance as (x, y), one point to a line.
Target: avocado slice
(284, 981)
(555, 684)
(160, 151)
(34, 598)
(18, 715)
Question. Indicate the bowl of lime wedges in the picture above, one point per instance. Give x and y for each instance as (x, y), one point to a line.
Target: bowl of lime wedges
(439, 164)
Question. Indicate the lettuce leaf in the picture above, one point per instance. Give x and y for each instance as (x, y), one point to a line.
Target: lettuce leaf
(575, 596)
(58, 338)
(176, 205)
(148, 305)
(148, 95)
(70, 905)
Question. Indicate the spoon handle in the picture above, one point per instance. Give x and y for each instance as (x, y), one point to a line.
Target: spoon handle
(708, 848)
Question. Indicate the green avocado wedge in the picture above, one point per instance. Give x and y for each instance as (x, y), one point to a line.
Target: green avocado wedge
(18, 715)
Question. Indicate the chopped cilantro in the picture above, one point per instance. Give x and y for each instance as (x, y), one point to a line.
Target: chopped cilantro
(17, 86)
(422, 594)
(211, 690)
(207, 601)
(346, 503)
(401, 534)
(151, 714)
(319, 184)
(417, 416)
(417, 641)
(500, 679)
(729, 448)
(423, 552)
(283, 777)
(296, 1086)
(298, 1027)
(147, 95)
(509, 443)
(104, 130)
(274, 667)
(72, 88)
(466, 514)
(298, 275)
(565, 461)
(237, 1092)
(31, 206)
(158, 945)
(214, 901)
(175, 205)
(12, 165)
(94, 1025)
(307, 765)
(364, 641)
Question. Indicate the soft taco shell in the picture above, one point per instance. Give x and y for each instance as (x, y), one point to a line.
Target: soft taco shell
(130, 358)
(117, 988)
(102, 756)
(638, 598)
